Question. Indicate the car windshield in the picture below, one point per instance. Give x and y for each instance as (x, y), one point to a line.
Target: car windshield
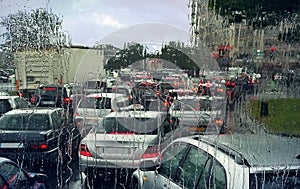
(23, 122)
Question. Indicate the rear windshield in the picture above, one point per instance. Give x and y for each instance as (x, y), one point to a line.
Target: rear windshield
(95, 103)
(196, 104)
(25, 122)
(53, 91)
(136, 125)
(116, 90)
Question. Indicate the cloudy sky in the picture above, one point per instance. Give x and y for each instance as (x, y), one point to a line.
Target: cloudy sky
(93, 21)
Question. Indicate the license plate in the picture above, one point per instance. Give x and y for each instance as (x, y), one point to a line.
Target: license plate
(116, 150)
(48, 102)
(11, 145)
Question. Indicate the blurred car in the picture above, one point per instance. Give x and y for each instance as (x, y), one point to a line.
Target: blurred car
(14, 176)
(198, 114)
(39, 137)
(4, 76)
(123, 139)
(4, 93)
(51, 96)
(224, 161)
(8, 103)
(120, 89)
(94, 106)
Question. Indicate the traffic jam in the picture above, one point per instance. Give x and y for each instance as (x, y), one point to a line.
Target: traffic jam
(106, 124)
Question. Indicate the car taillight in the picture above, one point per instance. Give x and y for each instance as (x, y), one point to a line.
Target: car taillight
(67, 100)
(32, 100)
(84, 151)
(219, 121)
(40, 146)
(111, 110)
(152, 152)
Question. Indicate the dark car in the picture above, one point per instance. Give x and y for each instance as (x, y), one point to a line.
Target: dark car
(13, 176)
(38, 138)
(51, 96)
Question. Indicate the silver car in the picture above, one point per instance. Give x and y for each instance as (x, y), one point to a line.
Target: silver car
(123, 139)
(198, 114)
(94, 106)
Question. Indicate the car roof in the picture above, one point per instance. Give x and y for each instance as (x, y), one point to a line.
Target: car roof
(9, 97)
(136, 113)
(38, 110)
(256, 150)
(108, 95)
(3, 159)
(191, 97)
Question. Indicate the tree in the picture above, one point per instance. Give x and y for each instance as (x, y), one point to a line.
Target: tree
(259, 14)
(129, 54)
(38, 30)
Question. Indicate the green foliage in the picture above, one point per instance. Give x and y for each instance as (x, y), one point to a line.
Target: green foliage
(174, 52)
(259, 14)
(123, 58)
(283, 115)
(38, 29)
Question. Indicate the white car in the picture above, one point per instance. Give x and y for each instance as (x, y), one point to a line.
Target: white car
(8, 103)
(123, 139)
(94, 106)
(236, 161)
(198, 114)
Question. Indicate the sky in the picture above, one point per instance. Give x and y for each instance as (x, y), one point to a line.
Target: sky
(91, 22)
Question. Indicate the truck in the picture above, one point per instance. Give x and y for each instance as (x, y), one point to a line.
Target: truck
(34, 68)
(68, 65)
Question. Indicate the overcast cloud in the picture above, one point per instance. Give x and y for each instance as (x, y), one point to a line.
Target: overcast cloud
(89, 21)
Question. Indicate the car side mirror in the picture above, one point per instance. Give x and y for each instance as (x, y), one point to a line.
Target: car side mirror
(148, 165)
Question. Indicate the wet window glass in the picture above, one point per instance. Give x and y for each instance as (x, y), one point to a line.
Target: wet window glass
(224, 76)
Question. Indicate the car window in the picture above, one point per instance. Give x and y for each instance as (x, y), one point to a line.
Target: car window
(171, 159)
(5, 106)
(21, 103)
(137, 125)
(95, 103)
(122, 102)
(56, 120)
(25, 122)
(53, 91)
(194, 167)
